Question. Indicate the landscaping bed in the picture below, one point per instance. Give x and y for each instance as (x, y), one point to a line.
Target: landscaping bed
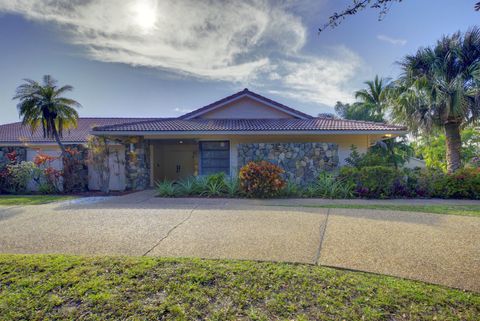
(54, 287)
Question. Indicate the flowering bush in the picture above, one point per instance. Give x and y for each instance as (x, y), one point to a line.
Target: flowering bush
(464, 183)
(261, 179)
(50, 181)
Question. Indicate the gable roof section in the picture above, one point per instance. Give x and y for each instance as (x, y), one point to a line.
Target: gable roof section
(241, 94)
(16, 133)
(258, 126)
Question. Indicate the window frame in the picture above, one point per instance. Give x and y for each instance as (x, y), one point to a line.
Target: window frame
(201, 150)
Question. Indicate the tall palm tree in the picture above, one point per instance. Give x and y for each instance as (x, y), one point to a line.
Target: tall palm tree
(43, 104)
(440, 90)
(373, 98)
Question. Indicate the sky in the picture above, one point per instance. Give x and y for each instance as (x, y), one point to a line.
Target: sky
(163, 58)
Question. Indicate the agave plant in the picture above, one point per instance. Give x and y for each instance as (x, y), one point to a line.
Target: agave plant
(167, 189)
(188, 187)
(328, 186)
(232, 186)
(214, 188)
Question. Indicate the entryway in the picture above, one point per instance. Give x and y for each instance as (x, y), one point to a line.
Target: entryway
(174, 159)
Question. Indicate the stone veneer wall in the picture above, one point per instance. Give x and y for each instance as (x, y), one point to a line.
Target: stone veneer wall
(137, 164)
(302, 162)
(21, 152)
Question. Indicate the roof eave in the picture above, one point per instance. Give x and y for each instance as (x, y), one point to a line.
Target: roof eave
(251, 132)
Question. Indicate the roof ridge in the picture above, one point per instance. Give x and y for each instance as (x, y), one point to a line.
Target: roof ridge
(245, 92)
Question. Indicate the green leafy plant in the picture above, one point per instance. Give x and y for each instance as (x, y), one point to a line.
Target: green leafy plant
(291, 189)
(214, 188)
(376, 181)
(329, 186)
(19, 176)
(188, 187)
(232, 186)
(261, 179)
(167, 189)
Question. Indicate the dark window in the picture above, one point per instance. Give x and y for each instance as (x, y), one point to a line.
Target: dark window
(214, 157)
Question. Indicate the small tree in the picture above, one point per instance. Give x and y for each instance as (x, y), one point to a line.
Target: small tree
(43, 104)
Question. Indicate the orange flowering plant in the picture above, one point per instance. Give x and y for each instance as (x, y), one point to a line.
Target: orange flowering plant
(51, 183)
(261, 179)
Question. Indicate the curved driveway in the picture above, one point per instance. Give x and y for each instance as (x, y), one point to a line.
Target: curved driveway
(435, 248)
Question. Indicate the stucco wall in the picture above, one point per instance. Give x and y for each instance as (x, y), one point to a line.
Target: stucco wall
(344, 142)
(246, 108)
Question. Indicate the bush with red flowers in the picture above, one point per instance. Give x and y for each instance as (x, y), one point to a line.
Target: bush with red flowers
(261, 179)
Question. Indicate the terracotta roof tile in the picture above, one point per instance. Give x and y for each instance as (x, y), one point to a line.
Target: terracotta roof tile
(17, 133)
(248, 125)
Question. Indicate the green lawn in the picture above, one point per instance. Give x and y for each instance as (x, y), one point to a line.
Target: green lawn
(465, 210)
(31, 199)
(53, 287)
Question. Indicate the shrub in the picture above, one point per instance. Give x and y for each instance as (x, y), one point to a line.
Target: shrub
(261, 179)
(167, 189)
(464, 183)
(376, 181)
(49, 182)
(16, 177)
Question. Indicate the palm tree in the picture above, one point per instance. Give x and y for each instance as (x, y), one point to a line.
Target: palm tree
(373, 98)
(43, 104)
(440, 90)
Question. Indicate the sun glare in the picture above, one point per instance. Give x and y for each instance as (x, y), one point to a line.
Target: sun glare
(145, 14)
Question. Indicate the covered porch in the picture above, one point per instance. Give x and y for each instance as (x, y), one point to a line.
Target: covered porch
(176, 159)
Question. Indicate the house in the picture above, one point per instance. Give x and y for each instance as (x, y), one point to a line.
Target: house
(220, 137)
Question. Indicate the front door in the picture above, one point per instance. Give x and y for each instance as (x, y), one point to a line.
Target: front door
(173, 161)
(178, 165)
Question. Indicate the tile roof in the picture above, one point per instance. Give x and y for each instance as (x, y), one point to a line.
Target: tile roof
(240, 94)
(248, 125)
(17, 133)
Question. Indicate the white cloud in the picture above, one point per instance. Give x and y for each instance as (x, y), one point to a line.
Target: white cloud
(182, 110)
(253, 41)
(323, 80)
(393, 41)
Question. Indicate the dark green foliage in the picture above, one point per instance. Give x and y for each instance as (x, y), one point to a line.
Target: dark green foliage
(376, 181)
(391, 152)
(388, 182)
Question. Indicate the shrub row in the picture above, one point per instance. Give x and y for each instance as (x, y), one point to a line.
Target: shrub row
(264, 180)
(388, 182)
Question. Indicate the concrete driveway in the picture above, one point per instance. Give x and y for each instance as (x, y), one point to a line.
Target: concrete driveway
(440, 249)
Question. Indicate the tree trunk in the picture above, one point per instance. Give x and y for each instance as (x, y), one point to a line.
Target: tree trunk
(454, 146)
(57, 139)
